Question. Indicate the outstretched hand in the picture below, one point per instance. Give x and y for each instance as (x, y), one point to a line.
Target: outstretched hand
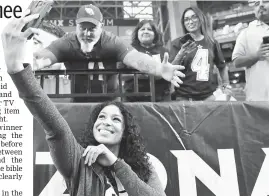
(14, 41)
(171, 72)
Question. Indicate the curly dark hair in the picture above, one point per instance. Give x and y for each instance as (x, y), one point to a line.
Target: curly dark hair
(157, 38)
(132, 148)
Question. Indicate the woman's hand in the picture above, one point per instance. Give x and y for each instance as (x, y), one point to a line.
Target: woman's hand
(99, 153)
(14, 41)
(186, 48)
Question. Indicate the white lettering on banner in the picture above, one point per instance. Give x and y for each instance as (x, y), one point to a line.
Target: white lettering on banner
(261, 185)
(56, 186)
(159, 167)
(110, 22)
(190, 166)
(71, 23)
(59, 23)
(200, 65)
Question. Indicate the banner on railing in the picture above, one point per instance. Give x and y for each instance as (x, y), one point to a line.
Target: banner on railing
(198, 148)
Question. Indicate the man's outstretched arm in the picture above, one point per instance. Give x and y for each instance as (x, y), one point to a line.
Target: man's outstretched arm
(147, 64)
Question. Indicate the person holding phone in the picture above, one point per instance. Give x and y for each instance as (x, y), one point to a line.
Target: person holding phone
(146, 38)
(91, 47)
(199, 53)
(115, 155)
(252, 53)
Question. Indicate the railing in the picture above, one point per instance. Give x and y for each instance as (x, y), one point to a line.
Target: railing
(43, 74)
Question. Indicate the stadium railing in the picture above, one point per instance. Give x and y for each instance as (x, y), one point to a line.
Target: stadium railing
(56, 75)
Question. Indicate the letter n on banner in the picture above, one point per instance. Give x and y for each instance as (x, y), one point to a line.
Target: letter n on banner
(56, 186)
(190, 165)
(262, 183)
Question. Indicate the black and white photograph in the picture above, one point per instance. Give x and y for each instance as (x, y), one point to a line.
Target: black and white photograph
(139, 98)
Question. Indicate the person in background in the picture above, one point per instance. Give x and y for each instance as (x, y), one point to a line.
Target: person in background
(49, 32)
(146, 38)
(251, 53)
(198, 57)
(91, 47)
(115, 154)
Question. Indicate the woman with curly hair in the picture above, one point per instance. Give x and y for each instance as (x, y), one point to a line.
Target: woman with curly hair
(115, 156)
(147, 38)
(112, 124)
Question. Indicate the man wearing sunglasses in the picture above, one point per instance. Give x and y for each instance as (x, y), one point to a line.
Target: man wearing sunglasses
(252, 53)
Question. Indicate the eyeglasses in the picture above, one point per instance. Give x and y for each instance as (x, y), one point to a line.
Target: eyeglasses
(257, 3)
(193, 18)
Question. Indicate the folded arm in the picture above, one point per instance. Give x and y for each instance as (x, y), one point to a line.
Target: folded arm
(134, 185)
(245, 61)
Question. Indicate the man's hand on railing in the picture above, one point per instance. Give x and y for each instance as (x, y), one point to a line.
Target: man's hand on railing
(39, 64)
(171, 72)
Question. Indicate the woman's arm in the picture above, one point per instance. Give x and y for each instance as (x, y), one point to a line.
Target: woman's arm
(220, 63)
(63, 146)
(134, 185)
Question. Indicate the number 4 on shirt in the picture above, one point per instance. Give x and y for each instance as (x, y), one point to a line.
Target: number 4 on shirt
(200, 65)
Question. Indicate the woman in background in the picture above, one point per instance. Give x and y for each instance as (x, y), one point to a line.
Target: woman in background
(199, 57)
(146, 38)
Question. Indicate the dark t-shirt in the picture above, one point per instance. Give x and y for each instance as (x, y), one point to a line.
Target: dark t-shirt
(162, 87)
(199, 81)
(106, 53)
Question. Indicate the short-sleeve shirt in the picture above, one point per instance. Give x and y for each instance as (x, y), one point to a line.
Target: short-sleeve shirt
(248, 43)
(199, 82)
(106, 53)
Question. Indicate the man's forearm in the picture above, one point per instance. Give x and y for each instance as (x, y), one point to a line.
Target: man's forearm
(44, 59)
(41, 64)
(245, 61)
(143, 63)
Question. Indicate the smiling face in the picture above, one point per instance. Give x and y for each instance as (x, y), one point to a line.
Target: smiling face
(109, 126)
(191, 21)
(262, 10)
(88, 35)
(146, 34)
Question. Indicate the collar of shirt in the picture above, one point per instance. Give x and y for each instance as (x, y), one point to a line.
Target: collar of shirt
(258, 23)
